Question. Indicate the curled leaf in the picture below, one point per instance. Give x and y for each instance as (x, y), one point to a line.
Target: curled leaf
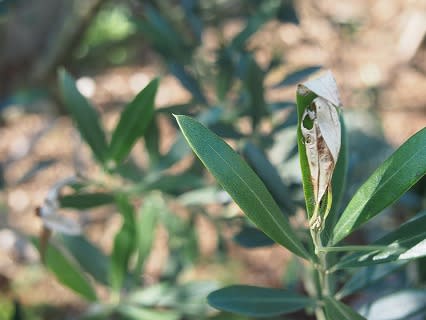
(324, 87)
(321, 131)
(49, 215)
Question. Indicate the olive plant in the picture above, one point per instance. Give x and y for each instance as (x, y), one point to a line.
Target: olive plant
(323, 157)
(141, 197)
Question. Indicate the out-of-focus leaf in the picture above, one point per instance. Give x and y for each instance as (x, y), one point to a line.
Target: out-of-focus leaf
(287, 12)
(184, 108)
(90, 258)
(266, 11)
(135, 313)
(367, 276)
(242, 184)
(173, 184)
(124, 244)
(292, 274)
(188, 81)
(18, 312)
(337, 310)
(85, 200)
(399, 241)
(192, 15)
(150, 296)
(85, 116)
(225, 72)
(188, 298)
(258, 302)
(36, 168)
(146, 226)
(253, 82)
(270, 177)
(134, 120)
(152, 142)
(226, 131)
(394, 177)
(162, 35)
(396, 306)
(250, 237)
(67, 271)
(203, 196)
(297, 76)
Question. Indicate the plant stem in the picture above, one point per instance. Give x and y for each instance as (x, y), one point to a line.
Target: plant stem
(325, 279)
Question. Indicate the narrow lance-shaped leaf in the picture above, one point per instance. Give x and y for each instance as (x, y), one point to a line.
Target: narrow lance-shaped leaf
(250, 237)
(297, 76)
(91, 259)
(404, 304)
(145, 227)
(124, 244)
(85, 116)
(394, 177)
(404, 238)
(367, 276)
(258, 302)
(134, 120)
(337, 310)
(67, 271)
(85, 200)
(242, 184)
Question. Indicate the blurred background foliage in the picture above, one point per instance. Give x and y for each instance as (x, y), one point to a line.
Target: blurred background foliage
(233, 65)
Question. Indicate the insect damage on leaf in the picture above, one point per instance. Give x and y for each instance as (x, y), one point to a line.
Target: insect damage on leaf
(320, 127)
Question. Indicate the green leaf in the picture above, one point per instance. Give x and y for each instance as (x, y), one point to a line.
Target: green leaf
(134, 120)
(124, 244)
(132, 312)
(253, 83)
(265, 11)
(250, 237)
(242, 184)
(146, 226)
(297, 76)
(203, 196)
(302, 103)
(91, 259)
(188, 81)
(67, 271)
(85, 116)
(337, 310)
(400, 305)
(367, 276)
(258, 302)
(152, 142)
(188, 298)
(394, 177)
(407, 236)
(85, 200)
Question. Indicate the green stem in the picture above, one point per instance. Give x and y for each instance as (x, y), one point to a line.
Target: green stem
(325, 279)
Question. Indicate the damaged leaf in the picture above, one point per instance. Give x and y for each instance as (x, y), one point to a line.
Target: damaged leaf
(320, 128)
